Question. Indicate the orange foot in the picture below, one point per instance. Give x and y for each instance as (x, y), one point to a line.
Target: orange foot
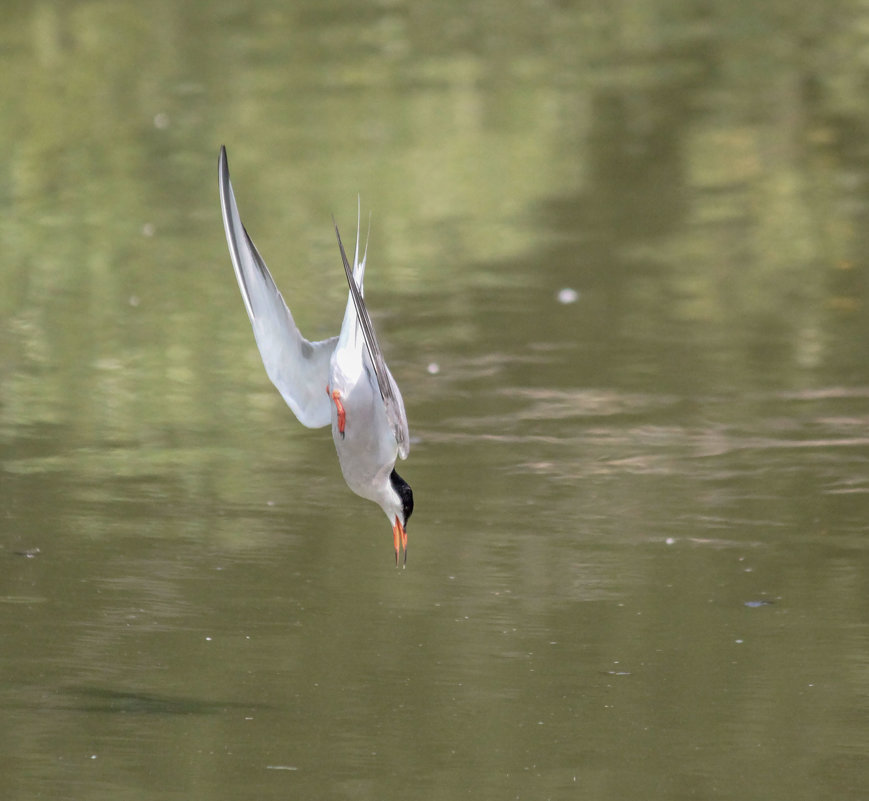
(342, 415)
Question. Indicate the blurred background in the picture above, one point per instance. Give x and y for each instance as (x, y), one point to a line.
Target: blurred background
(618, 267)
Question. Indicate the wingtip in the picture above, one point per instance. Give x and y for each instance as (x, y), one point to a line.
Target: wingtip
(222, 166)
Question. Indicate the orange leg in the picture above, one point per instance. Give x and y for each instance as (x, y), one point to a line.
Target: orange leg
(342, 415)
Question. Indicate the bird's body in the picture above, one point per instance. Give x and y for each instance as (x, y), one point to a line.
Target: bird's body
(343, 380)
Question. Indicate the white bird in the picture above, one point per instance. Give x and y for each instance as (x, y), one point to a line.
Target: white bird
(343, 380)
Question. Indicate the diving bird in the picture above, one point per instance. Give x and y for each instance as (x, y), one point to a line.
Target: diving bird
(343, 380)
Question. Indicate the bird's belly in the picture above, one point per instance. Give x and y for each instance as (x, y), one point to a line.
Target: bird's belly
(367, 451)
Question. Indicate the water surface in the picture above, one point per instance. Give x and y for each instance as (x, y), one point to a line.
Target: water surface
(638, 554)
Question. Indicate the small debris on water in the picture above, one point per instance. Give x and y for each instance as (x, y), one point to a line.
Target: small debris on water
(567, 295)
(433, 368)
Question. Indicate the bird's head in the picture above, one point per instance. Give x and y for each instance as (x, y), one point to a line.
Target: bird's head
(398, 510)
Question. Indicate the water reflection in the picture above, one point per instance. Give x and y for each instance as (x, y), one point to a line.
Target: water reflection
(636, 562)
(104, 700)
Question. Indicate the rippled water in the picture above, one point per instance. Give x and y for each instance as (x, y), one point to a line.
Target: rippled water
(617, 268)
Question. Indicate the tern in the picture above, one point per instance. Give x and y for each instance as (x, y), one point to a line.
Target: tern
(342, 380)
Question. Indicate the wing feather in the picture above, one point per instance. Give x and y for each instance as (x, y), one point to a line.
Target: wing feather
(298, 368)
(389, 391)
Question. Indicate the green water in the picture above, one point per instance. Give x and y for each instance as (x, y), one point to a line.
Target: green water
(638, 555)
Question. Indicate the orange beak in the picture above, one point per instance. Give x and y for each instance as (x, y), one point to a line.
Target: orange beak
(399, 537)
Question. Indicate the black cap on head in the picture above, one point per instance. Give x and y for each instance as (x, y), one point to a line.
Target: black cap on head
(405, 493)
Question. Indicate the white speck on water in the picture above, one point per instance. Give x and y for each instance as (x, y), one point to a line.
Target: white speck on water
(161, 121)
(208, 639)
(739, 642)
(567, 295)
(433, 368)
(670, 541)
(281, 767)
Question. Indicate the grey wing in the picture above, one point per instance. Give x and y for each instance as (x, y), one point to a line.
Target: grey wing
(389, 391)
(298, 368)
